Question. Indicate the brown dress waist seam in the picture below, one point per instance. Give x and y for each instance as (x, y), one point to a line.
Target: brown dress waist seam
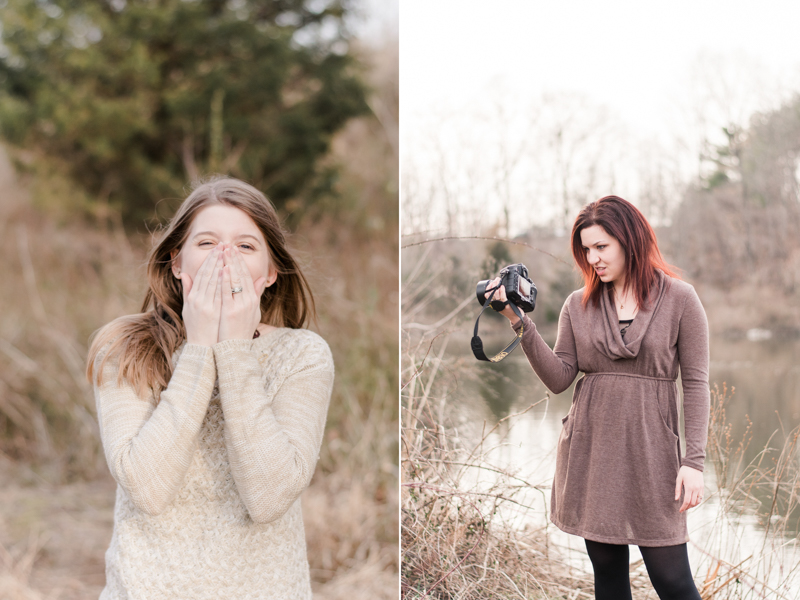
(616, 374)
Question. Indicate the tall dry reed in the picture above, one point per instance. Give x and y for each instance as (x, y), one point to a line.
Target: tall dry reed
(750, 550)
(455, 542)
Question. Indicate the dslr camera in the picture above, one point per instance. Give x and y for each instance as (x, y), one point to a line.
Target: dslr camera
(520, 289)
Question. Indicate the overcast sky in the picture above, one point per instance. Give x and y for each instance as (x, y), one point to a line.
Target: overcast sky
(377, 18)
(652, 66)
(635, 57)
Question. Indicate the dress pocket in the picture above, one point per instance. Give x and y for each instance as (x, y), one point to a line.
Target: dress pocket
(664, 401)
(575, 399)
(565, 437)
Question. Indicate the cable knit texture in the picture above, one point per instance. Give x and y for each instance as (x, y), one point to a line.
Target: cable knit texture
(210, 475)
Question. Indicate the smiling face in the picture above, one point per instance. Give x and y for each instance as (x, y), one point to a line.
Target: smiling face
(604, 254)
(229, 225)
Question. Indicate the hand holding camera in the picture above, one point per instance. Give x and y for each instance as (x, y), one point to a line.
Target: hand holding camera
(515, 287)
(507, 294)
(501, 298)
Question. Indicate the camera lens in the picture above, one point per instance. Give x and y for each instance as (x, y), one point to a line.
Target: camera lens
(480, 291)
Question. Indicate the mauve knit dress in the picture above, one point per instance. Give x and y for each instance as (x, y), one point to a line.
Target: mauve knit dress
(619, 450)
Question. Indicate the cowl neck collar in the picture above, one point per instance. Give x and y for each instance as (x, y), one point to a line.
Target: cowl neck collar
(607, 338)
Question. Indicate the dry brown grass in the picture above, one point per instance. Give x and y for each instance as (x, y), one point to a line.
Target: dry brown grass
(455, 544)
(454, 540)
(762, 486)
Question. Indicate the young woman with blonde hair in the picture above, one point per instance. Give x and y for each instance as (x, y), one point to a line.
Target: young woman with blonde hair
(620, 476)
(212, 404)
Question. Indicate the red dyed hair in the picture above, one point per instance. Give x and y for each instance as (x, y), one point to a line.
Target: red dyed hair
(622, 220)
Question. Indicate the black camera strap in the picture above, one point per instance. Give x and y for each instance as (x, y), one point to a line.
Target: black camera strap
(477, 344)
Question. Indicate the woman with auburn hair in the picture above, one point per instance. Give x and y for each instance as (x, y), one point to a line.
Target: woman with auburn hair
(212, 404)
(620, 478)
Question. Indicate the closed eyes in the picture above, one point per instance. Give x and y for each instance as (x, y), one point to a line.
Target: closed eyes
(209, 243)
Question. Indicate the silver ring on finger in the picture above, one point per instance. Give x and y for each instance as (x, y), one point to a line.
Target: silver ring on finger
(237, 289)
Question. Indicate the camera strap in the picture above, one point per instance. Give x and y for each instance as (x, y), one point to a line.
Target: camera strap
(477, 344)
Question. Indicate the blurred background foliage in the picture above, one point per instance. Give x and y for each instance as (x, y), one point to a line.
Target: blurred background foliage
(135, 97)
(738, 222)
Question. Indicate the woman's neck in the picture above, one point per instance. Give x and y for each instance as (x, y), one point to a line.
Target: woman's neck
(624, 300)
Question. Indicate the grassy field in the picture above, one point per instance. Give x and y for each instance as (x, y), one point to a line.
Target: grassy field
(65, 275)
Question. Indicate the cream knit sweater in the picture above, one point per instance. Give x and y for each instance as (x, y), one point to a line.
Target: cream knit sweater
(209, 478)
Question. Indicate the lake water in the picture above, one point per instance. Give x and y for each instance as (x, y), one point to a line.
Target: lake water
(766, 378)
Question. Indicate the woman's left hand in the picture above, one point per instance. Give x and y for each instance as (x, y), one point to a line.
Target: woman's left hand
(691, 480)
(241, 312)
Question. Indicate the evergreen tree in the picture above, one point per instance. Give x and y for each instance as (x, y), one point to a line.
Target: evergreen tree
(140, 96)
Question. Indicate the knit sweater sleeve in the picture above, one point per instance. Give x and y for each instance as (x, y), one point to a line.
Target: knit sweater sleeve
(557, 368)
(148, 446)
(693, 357)
(273, 429)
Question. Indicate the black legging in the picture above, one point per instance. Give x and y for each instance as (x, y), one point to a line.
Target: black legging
(667, 566)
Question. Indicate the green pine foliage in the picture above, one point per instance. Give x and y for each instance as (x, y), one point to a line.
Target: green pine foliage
(138, 97)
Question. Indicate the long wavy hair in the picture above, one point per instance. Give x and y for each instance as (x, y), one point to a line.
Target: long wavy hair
(144, 343)
(623, 221)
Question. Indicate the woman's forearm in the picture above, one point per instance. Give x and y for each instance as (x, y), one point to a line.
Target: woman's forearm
(149, 448)
(273, 429)
(556, 368)
(693, 356)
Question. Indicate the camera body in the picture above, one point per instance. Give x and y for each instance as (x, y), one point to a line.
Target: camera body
(520, 289)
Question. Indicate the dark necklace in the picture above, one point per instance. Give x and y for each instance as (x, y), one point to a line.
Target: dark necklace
(256, 334)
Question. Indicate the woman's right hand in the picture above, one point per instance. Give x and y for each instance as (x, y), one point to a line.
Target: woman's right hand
(202, 300)
(500, 295)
